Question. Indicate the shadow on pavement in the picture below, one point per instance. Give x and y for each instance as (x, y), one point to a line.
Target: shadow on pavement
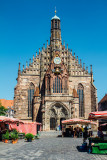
(81, 149)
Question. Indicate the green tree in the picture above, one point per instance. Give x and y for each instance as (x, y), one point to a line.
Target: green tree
(3, 110)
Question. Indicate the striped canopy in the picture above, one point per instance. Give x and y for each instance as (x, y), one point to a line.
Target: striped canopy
(77, 121)
(98, 115)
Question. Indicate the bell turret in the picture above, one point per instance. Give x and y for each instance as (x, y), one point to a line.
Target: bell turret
(55, 40)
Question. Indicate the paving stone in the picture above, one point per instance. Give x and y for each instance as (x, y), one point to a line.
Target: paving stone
(51, 148)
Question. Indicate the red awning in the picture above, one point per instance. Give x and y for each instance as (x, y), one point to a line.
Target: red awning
(77, 121)
(98, 115)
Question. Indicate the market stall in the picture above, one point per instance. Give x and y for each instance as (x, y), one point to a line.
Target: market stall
(10, 124)
(98, 144)
(66, 125)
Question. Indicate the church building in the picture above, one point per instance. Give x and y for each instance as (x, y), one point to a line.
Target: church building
(55, 85)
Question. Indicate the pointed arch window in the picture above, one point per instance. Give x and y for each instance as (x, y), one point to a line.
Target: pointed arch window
(80, 92)
(57, 85)
(48, 84)
(65, 86)
(30, 99)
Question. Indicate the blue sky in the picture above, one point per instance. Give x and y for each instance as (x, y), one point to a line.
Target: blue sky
(25, 27)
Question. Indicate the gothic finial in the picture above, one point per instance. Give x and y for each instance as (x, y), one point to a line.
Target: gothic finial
(67, 46)
(19, 71)
(47, 42)
(39, 50)
(74, 54)
(36, 54)
(23, 67)
(33, 57)
(80, 63)
(19, 67)
(44, 46)
(91, 69)
(77, 58)
(83, 66)
(64, 43)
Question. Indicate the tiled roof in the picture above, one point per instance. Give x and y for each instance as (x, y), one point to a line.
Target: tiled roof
(103, 99)
(7, 103)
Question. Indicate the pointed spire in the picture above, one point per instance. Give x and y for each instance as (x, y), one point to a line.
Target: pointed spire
(87, 68)
(19, 71)
(23, 67)
(74, 54)
(71, 51)
(19, 67)
(84, 66)
(91, 72)
(42, 50)
(80, 63)
(64, 43)
(77, 58)
(67, 46)
(33, 57)
(36, 53)
(39, 50)
(47, 42)
(44, 46)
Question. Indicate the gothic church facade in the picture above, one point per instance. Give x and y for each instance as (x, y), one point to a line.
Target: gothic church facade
(55, 86)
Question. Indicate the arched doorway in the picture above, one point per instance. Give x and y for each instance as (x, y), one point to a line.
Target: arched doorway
(52, 123)
(57, 112)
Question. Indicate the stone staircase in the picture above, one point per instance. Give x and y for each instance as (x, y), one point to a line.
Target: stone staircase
(50, 133)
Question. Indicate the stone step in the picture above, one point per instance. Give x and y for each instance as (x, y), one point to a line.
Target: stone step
(50, 133)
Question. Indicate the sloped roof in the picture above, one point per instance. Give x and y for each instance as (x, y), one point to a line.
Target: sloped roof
(36, 92)
(7, 103)
(75, 93)
(55, 17)
(103, 99)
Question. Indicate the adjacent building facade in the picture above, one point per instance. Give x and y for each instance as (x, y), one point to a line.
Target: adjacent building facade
(102, 106)
(8, 104)
(55, 86)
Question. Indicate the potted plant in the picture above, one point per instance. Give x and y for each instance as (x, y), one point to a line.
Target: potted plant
(6, 137)
(14, 137)
(29, 137)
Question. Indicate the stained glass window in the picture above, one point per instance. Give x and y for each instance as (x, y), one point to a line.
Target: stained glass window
(57, 85)
(80, 92)
(30, 99)
(48, 85)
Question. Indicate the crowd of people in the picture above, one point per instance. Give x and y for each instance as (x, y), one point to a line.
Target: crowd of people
(78, 132)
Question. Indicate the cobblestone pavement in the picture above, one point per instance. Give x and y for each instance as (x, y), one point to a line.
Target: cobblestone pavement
(46, 148)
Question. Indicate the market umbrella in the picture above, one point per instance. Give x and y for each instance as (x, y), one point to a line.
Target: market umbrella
(77, 121)
(104, 124)
(98, 115)
(8, 119)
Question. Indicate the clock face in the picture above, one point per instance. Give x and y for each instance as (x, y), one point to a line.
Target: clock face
(57, 60)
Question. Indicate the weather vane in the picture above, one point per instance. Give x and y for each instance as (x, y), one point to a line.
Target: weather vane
(55, 10)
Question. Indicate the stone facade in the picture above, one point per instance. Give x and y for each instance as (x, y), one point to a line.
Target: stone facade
(55, 85)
